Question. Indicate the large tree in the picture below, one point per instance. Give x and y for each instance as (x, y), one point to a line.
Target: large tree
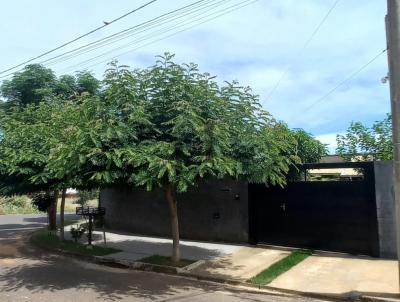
(169, 127)
(367, 143)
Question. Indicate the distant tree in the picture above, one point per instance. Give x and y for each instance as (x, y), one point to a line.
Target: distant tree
(30, 86)
(86, 82)
(66, 86)
(308, 148)
(170, 126)
(36, 83)
(367, 143)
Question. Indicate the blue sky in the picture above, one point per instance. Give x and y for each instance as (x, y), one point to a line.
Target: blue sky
(254, 45)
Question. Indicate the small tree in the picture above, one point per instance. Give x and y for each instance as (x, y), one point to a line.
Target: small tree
(364, 143)
(170, 126)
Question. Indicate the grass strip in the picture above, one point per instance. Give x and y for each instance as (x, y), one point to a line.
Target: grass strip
(278, 268)
(49, 240)
(166, 261)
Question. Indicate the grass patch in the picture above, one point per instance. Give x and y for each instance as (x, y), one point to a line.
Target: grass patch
(278, 268)
(162, 260)
(49, 240)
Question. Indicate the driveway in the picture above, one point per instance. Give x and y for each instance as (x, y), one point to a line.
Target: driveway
(28, 274)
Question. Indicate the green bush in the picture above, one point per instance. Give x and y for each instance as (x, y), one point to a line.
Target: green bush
(17, 204)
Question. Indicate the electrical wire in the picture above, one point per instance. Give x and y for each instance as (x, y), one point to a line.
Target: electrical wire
(163, 31)
(124, 33)
(313, 34)
(347, 79)
(63, 58)
(204, 5)
(78, 38)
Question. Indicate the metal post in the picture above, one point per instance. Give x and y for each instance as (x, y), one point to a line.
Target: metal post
(90, 230)
(393, 47)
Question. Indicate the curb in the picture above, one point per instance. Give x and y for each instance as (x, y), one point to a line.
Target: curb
(143, 266)
(366, 298)
(185, 272)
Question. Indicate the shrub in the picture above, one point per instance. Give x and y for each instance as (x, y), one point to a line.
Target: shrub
(16, 200)
(42, 200)
(17, 204)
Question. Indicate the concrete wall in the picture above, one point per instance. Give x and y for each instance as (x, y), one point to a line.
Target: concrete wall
(217, 210)
(384, 192)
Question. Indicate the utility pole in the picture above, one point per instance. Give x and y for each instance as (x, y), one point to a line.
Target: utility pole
(393, 50)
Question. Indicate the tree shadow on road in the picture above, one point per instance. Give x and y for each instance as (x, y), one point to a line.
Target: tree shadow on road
(41, 272)
(60, 273)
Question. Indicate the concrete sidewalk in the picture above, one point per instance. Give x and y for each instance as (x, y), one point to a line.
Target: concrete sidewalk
(342, 275)
(337, 275)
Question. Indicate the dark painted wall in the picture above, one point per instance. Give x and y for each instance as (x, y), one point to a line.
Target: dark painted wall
(208, 212)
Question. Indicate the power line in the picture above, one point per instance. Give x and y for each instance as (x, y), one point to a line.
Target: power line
(313, 34)
(345, 80)
(78, 38)
(124, 33)
(230, 9)
(141, 28)
(187, 10)
(163, 31)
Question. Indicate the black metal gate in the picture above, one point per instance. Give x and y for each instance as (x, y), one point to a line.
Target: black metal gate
(326, 215)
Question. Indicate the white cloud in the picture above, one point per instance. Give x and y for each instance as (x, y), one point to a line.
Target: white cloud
(330, 140)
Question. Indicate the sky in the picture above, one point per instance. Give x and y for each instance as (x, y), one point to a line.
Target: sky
(263, 44)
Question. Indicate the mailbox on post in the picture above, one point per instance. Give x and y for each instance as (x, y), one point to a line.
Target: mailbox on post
(90, 213)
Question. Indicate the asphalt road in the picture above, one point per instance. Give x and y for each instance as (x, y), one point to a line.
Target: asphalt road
(29, 274)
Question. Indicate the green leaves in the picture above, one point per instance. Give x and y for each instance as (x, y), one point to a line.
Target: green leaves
(168, 124)
(363, 143)
(35, 84)
(308, 149)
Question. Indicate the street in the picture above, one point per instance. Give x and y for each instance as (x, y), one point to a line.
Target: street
(29, 274)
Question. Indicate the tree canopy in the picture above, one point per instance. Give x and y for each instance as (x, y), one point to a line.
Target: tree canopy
(31, 85)
(367, 143)
(28, 136)
(36, 83)
(172, 125)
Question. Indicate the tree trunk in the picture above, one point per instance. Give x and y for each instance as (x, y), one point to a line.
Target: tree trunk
(173, 210)
(62, 207)
(52, 212)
